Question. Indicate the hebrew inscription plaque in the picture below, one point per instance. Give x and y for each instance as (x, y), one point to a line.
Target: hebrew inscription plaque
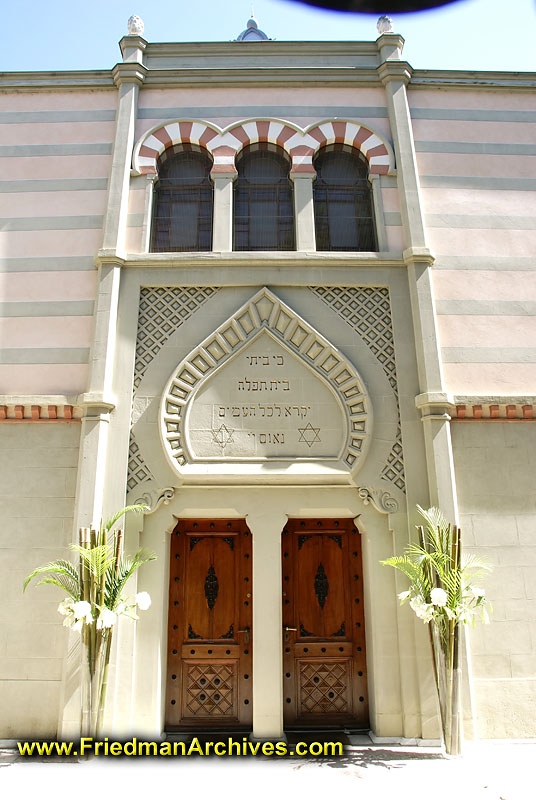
(265, 403)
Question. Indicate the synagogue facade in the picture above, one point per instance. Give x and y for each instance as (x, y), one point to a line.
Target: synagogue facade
(282, 293)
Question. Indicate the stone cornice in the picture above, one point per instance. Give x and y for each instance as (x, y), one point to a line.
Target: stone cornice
(472, 79)
(254, 259)
(285, 75)
(47, 81)
(39, 408)
(483, 408)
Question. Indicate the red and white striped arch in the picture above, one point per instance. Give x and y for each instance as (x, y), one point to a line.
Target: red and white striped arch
(301, 145)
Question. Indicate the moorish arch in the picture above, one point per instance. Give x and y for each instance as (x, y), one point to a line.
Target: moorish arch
(301, 144)
(264, 373)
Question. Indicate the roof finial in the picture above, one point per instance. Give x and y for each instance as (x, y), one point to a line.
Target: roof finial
(384, 25)
(135, 26)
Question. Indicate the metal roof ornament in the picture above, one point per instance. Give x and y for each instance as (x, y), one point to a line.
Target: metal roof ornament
(252, 33)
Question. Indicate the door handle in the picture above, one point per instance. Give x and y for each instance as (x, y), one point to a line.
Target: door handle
(287, 632)
(245, 631)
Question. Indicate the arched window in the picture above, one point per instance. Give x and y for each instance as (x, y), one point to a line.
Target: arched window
(342, 200)
(183, 200)
(263, 200)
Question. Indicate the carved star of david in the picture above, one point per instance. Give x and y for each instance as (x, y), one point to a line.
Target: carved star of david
(222, 436)
(309, 435)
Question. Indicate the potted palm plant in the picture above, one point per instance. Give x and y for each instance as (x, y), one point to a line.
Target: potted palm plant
(95, 600)
(442, 592)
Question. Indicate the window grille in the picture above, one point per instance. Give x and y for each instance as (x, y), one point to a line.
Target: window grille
(263, 200)
(183, 201)
(342, 201)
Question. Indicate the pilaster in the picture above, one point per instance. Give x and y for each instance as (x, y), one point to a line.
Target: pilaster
(432, 400)
(266, 528)
(304, 210)
(222, 224)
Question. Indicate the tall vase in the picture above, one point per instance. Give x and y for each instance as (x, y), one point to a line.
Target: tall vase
(446, 653)
(95, 656)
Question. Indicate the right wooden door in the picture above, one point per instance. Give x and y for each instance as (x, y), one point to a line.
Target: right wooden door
(325, 675)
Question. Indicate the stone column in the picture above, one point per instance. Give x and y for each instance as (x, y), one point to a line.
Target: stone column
(222, 225)
(266, 528)
(432, 400)
(304, 209)
(395, 75)
(93, 497)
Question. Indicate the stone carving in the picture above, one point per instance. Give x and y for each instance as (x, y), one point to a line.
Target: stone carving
(384, 25)
(382, 501)
(191, 404)
(154, 499)
(135, 26)
(162, 310)
(138, 471)
(367, 309)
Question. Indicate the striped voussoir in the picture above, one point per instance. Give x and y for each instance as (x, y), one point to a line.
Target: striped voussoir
(301, 145)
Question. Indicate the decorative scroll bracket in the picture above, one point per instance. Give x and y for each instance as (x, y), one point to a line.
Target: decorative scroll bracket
(382, 501)
(154, 499)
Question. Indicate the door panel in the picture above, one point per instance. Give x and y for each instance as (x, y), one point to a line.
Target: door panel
(209, 654)
(325, 680)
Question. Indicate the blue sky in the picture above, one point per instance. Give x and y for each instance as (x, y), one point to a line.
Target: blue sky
(71, 34)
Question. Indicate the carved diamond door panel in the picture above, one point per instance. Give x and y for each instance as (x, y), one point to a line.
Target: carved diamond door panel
(209, 629)
(325, 680)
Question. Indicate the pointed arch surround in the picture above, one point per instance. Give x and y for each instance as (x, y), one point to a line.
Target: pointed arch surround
(301, 144)
(266, 313)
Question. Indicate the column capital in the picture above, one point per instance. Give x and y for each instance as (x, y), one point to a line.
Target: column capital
(296, 175)
(129, 73)
(223, 173)
(390, 71)
(418, 254)
(435, 405)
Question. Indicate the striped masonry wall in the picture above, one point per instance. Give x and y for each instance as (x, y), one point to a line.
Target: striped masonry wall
(476, 153)
(55, 157)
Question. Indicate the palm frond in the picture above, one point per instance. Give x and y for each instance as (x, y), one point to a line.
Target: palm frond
(58, 567)
(108, 525)
(116, 581)
(63, 583)
(97, 559)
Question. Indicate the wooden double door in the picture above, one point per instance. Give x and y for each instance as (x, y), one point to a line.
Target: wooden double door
(209, 679)
(209, 675)
(324, 659)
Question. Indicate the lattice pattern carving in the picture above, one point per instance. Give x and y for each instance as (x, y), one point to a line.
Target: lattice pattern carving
(138, 471)
(323, 687)
(367, 310)
(210, 690)
(162, 310)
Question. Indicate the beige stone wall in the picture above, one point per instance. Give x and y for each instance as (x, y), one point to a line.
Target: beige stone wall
(37, 487)
(495, 465)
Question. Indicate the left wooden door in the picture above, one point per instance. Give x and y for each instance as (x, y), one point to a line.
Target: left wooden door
(209, 681)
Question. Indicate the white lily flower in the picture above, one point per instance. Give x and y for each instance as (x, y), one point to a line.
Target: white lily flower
(439, 597)
(65, 607)
(82, 610)
(106, 619)
(143, 600)
(77, 626)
